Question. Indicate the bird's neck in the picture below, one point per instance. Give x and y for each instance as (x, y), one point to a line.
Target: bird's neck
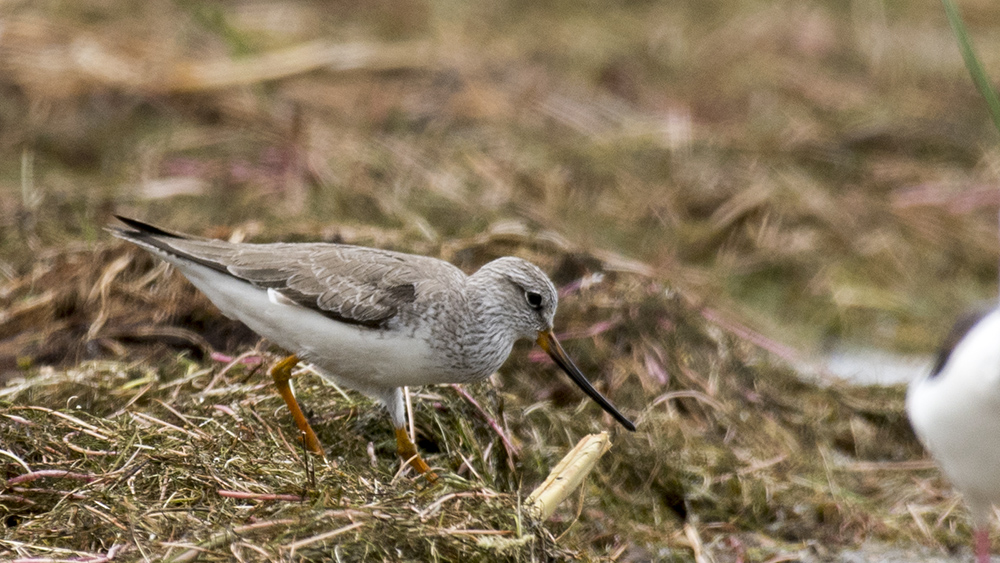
(489, 338)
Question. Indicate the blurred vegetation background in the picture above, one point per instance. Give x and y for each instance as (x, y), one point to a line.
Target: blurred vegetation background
(801, 174)
(823, 169)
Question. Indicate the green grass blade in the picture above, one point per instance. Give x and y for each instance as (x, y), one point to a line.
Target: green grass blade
(972, 62)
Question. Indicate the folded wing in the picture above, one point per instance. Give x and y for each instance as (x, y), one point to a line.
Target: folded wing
(351, 284)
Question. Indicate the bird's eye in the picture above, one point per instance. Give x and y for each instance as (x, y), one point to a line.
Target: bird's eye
(534, 300)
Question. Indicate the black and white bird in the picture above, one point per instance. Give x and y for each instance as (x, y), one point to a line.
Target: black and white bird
(955, 411)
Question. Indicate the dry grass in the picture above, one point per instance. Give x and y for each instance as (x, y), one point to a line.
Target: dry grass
(743, 175)
(815, 167)
(762, 463)
(159, 467)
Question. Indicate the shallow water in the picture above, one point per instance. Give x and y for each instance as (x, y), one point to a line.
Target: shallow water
(875, 552)
(872, 366)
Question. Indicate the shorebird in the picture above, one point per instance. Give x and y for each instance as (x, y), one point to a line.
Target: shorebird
(371, 320)
(955, 411)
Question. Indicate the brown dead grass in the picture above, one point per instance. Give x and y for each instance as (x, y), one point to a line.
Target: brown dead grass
(743, 174)
(160, 448)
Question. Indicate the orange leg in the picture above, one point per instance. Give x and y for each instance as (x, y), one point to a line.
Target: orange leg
(407, 451)
(282, 372)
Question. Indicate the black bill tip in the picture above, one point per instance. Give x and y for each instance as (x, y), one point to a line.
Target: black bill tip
(547, 340)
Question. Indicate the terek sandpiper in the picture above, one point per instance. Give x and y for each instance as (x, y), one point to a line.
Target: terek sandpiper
(371, 320)
(955, 410)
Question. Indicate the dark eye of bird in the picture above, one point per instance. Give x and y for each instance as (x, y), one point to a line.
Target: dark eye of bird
(534, 300)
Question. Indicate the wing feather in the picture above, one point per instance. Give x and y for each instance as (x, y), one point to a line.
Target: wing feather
(351, 284)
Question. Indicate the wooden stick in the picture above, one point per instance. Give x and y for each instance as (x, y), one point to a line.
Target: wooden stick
(567, 475)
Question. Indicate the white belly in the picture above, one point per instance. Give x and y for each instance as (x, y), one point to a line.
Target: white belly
(365, 359)
(957, 415)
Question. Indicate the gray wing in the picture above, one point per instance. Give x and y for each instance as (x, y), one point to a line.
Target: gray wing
(351, 284)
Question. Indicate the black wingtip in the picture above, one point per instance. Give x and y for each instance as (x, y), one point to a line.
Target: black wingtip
(146, 228)
(963, 326)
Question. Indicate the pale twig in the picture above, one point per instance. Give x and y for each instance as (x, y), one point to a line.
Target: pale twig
(20, 461)
(260, 496)
(306, 57)
(85, 451)
(81, 558)
(176, 413)
(691, 395)
(153, 419)
(221, 538)
(694, 540)
(567, 475)
(322, 537)
(72, 419)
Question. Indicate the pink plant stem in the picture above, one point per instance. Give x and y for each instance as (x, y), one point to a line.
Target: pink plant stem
(982, 539)
(259, 496)
(58, 473)
(512, 451)
(787, 353)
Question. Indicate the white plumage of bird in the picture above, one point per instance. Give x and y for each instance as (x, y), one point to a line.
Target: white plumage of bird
(955, 411)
